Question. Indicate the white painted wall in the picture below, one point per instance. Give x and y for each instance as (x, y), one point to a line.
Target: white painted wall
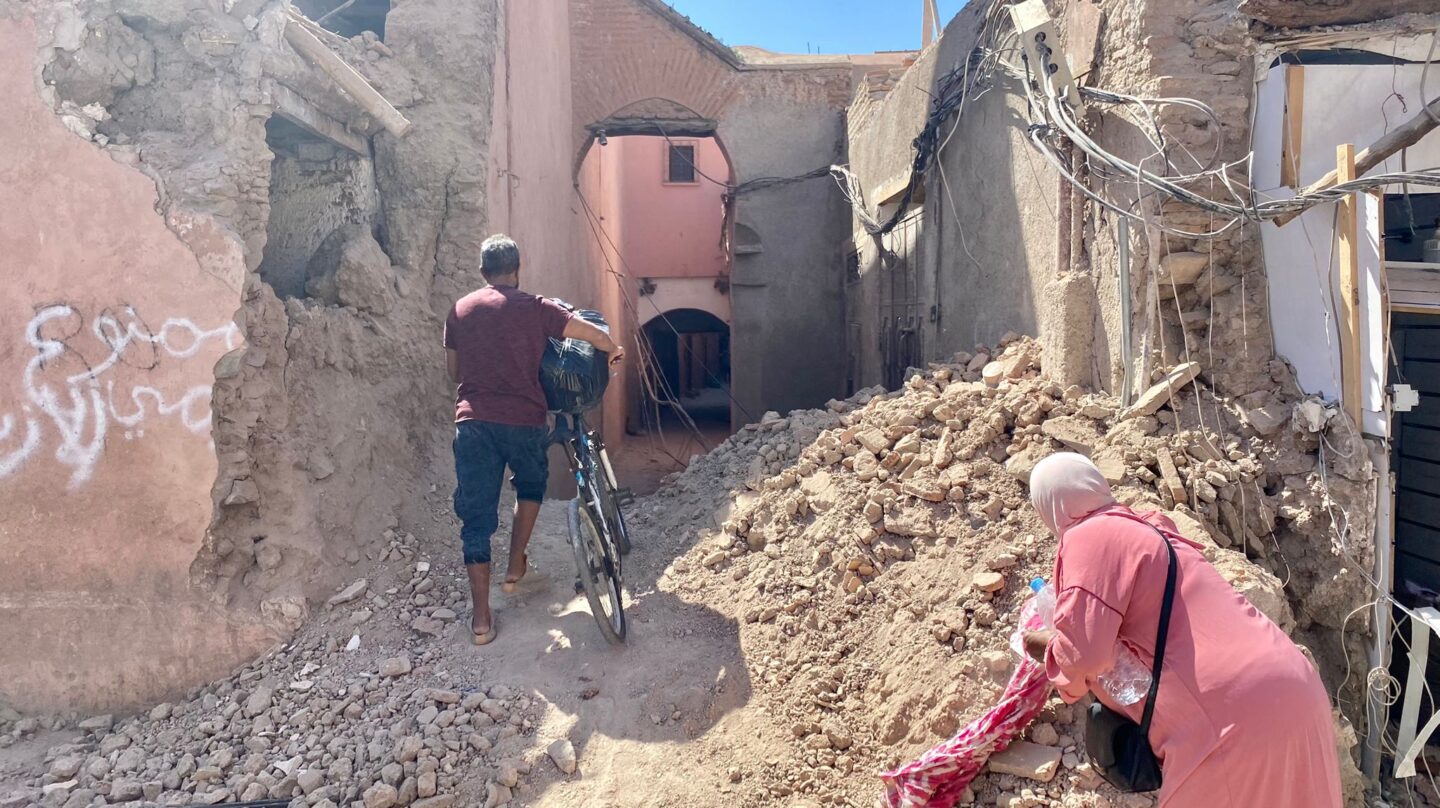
(1343, 104)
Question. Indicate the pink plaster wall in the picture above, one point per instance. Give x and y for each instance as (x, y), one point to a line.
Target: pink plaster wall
(532, 194)
(110, 329)
(667, 230)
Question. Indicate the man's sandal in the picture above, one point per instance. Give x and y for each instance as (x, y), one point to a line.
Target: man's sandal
(486, 638)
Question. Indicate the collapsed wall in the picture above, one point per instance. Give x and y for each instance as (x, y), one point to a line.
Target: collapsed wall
(235, 444)
(1205, 299)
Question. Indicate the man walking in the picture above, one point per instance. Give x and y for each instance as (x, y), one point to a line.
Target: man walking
(494, 340)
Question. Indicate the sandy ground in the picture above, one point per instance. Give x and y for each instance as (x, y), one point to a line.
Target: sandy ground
(679, 679)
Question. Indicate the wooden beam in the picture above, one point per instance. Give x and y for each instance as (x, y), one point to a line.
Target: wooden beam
(1297, 14)
(350, 80)
(291, 106)
(1347, 232)
(1401, 137)
(1293, 128)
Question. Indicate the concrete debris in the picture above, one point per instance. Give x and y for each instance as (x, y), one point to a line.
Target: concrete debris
(1183, 268)
(1312, 415)
(1160, 394)
(562, 754)
(1028, 760)
(349, 594)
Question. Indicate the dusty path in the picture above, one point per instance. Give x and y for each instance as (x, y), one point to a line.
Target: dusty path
(666, 719)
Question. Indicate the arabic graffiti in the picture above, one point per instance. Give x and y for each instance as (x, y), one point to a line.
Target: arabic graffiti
(75, 388)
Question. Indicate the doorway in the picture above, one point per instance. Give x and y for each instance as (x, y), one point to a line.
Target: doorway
(1415, 463)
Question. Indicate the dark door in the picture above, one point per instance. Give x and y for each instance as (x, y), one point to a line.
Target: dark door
(1415, 461)
(1416, 455)
(900, 301)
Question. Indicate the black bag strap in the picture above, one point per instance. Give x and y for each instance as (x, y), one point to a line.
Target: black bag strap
(1165, 608)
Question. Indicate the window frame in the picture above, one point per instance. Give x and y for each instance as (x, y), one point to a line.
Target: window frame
(670, 146)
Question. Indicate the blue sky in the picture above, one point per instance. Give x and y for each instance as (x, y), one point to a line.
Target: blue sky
(822, 26)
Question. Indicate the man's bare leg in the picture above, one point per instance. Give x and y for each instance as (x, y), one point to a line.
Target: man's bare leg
(480, 620)
(524, 524)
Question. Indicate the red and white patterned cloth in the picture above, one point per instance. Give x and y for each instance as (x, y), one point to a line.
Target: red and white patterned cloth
(939, 777)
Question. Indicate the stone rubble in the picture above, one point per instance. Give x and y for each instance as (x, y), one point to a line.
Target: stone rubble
(310, 723)
(876, 554)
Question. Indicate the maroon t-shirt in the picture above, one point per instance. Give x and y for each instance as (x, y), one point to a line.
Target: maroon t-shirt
(499, 334)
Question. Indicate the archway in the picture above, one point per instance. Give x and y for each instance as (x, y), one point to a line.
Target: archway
(655, 210)
(688, 358)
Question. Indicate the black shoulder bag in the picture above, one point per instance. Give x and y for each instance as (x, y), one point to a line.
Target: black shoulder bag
(1119, 749)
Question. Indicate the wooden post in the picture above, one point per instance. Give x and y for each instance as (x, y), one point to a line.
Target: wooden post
(1347, 231)
(347, 77)
(1292, 129)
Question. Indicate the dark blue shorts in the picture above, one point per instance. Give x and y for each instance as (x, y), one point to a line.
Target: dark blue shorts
(482, 451)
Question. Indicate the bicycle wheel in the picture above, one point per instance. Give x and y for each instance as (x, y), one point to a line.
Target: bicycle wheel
(599, 572)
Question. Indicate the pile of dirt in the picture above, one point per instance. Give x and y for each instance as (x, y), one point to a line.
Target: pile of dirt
(876, 555)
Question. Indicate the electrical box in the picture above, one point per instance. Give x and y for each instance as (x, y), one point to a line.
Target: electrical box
(1404, 398)
(1042, 48)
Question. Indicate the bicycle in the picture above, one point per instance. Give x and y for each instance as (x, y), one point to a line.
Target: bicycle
(597, 527)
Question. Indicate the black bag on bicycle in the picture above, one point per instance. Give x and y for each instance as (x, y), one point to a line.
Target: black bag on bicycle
(573, 373)
(1118, 748)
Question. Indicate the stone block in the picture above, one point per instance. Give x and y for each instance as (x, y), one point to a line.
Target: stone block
(1029, 760)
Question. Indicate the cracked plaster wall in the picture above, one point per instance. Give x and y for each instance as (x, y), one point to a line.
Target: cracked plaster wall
(312, 422)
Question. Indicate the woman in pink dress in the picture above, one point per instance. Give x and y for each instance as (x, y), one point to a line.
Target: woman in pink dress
(1241, 717)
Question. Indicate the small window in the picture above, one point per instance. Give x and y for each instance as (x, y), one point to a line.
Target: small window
(680, 167)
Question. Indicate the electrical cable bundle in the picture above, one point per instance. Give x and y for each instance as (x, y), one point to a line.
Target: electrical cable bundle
(1053, 128)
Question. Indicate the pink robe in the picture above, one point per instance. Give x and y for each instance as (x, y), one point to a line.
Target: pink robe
(1241, 718)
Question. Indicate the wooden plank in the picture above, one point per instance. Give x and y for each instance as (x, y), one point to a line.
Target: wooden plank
(1420, 570)
(1418, 508)
(930, 23)
(1292, 130)
(1423, 376)
(350, 80)
(1419, 443)
(1414, 280)
(697, 363)
(1401, 306)
(1401, 137)
(1422, 344)
(1296, 14)
(712, 358)
(293, 107)
(1421, 475)
(1347, 233)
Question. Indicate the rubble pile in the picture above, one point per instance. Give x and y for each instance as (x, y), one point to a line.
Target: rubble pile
(876, 555)
(323, 721)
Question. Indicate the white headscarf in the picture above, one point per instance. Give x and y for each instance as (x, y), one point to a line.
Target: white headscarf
(1065, 488)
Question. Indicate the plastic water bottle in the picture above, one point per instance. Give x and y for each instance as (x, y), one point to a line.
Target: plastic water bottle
(1044, 601)
(1129, 680)
(1041, 604)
